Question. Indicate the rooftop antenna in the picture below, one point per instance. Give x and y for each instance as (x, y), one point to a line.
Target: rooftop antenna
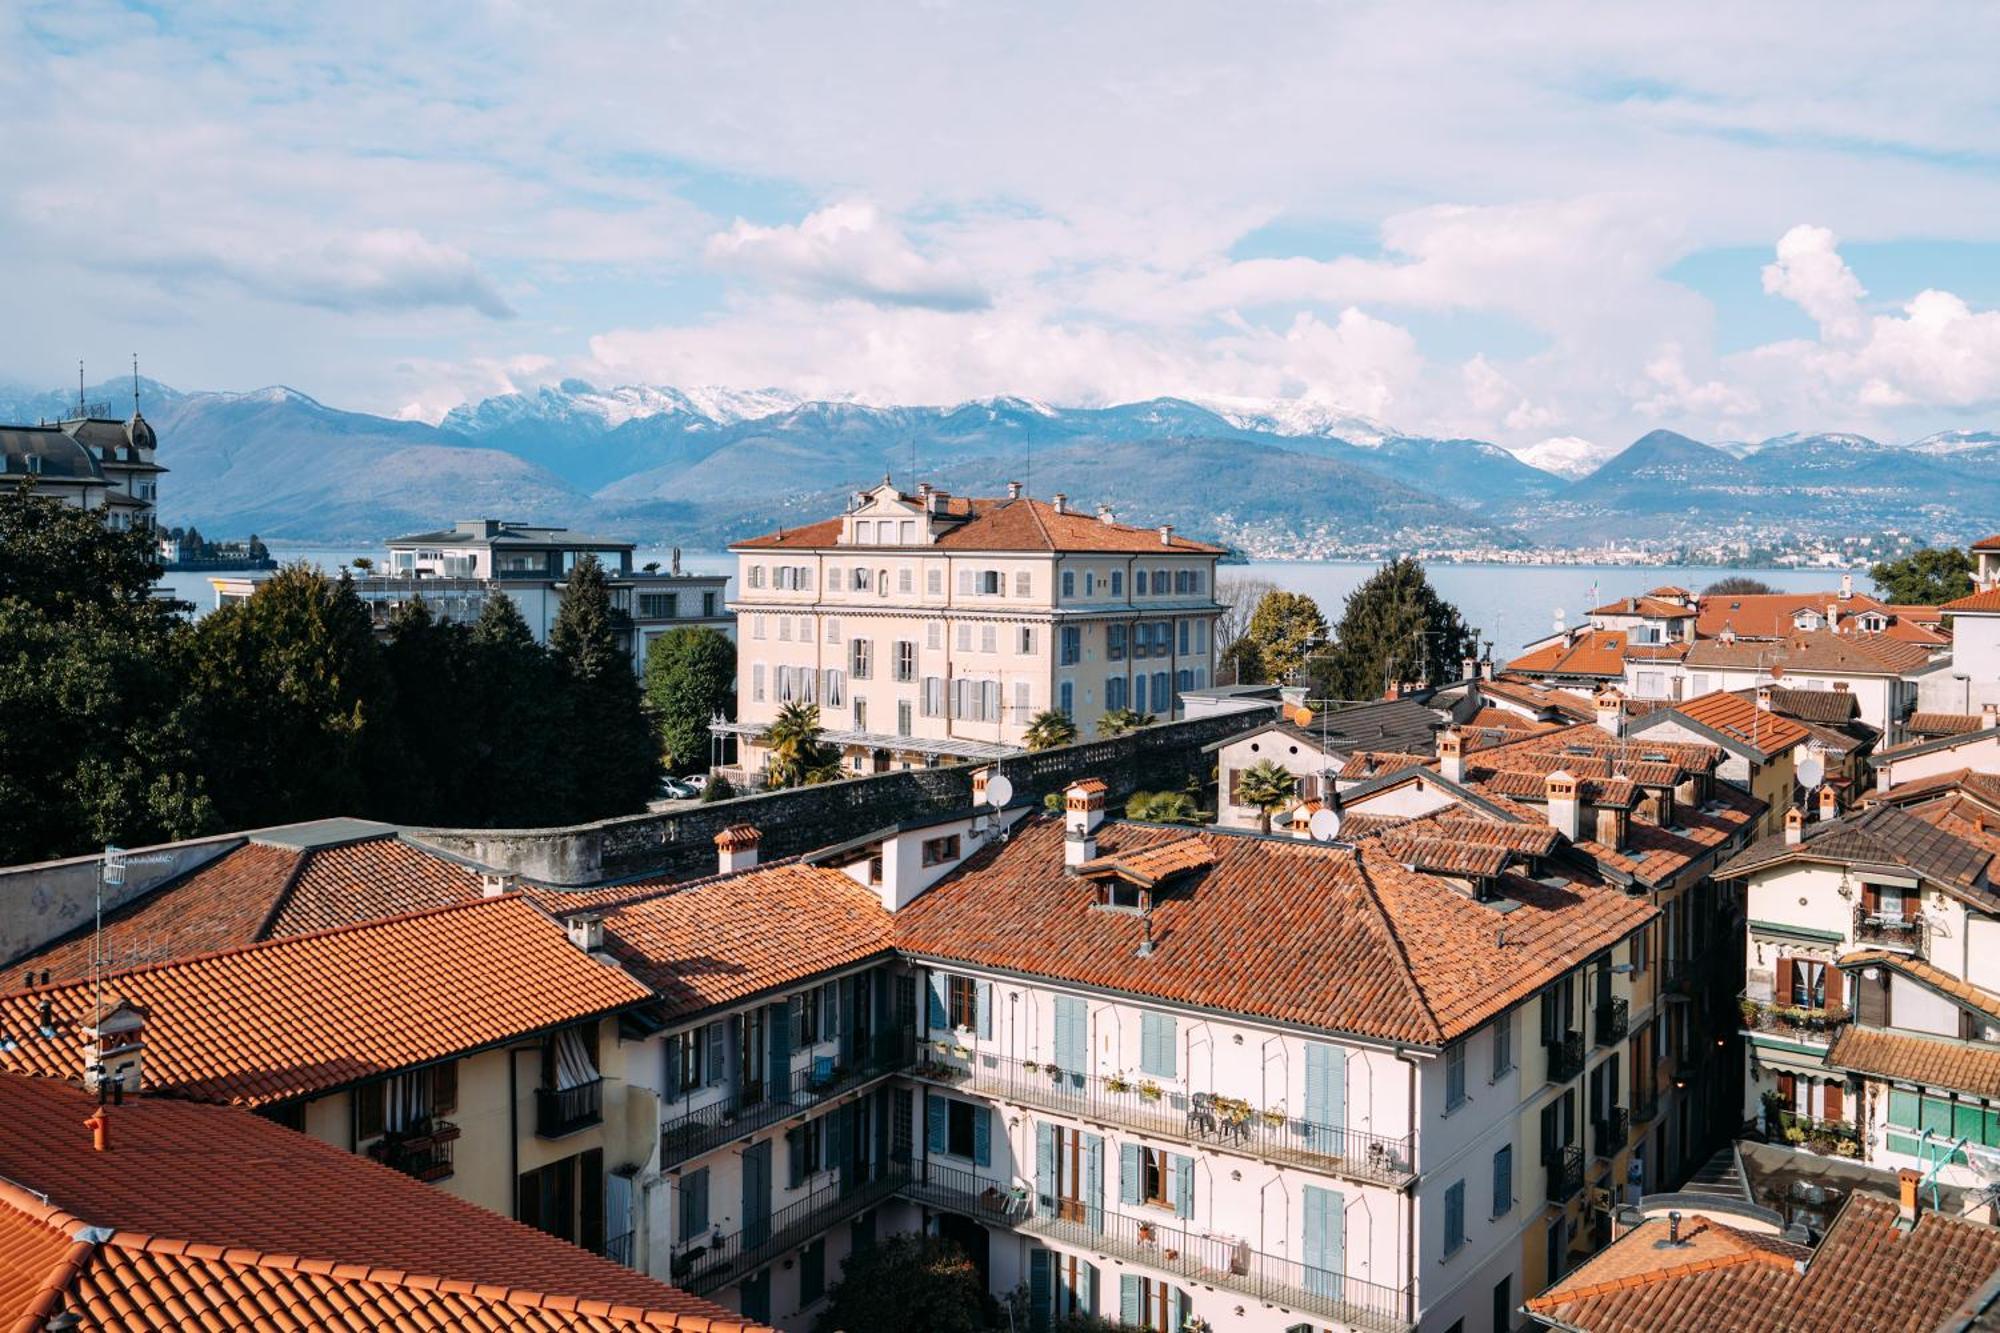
(135, 384)
(79, 388)
(913, 462)
(1028, 486)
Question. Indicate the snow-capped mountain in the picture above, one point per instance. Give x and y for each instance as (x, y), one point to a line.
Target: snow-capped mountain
(1300, 416)
(1955, 442)
(1567, 456)
(577, 400)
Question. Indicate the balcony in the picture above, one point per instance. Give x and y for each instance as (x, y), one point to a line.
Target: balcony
(1565, 1167)
(1828, 1138)
(1677, 977)
(1202, 1119)
(1565, 1057)
(1876, 930)
(703, 1269)
(960, 1191)
(1610, 1134)
(560, 1111)
(1163, 1244)
(1802, 1022)
(424, 1153)
(753, 1106)
(1613, 1018)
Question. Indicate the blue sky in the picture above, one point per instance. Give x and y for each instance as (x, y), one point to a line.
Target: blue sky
(1583, 222)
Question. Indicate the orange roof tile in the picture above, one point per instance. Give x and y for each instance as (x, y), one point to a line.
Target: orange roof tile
(215, 1218)
(1988, 543)
(1768, 615)
(1597, 652)
(1764, 730)
(999, 524)
(1820, 652)
(1979, 603)
(1936, 1062)
(1334, 937)
(1977, 997)
(1942, 724)
(1149, 865)
(289, 1018)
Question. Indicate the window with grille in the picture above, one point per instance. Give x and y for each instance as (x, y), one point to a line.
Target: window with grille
(906, 660)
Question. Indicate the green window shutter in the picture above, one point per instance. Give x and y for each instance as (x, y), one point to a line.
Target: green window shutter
(1041, 1290)
(1180, 1171)
(674, 1066)
(715, 1033)
(1936, 1116)
(1045, 1168)
(937, 1014)
(934, 1123)
(1086, 1295)
(982, 1136)
(1093, 1180)
(1157, 1045)
(1902, 1108)
(1992, 1138)
(983, 999)
(1130, 1169)
(1131, 1304)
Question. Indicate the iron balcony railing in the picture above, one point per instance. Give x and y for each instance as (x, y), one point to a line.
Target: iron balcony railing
(1831, 1138)
(1169, 1110)
(961, 1191)
(1565, 1167)
(1565, 1057)
(1889, 932)
(1611, 1133)
(1812, 1023)
(1165, 1244)
(560, 1111)
(1645, 1104)
(1613, 1019)
(425, 1153)
(702, 1269)
(751, 1107)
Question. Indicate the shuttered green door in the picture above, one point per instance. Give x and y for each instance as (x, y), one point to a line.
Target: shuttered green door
(1325, 1240)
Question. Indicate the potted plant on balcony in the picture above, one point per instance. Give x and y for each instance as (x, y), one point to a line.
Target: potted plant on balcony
(1275, 1117)
(1054, 1072)
(1116, 1083)
(1150, 1091)
(1751, 1011)
(1146, 1233)
(1029, 1067)
(962, 1052)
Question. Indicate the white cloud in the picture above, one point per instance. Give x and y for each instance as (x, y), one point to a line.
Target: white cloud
(847, 251)
(1810, 272)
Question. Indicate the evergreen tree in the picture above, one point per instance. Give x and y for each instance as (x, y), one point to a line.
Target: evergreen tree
(1049, 728)
(1929, 576)
(612, 759)
(908, 1284)
(436, 747)
(290, 700)
(1737, 585)
(93, 747)
(690, 677)
(1284, 627)
(1395, 628)
(516, 722)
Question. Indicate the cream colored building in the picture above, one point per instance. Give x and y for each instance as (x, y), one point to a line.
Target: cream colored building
(929, 627)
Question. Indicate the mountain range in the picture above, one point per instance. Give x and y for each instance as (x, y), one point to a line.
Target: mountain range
(699, 467)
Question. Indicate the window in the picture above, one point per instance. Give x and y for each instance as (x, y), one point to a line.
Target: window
(1454, 1077)
(833, 583)
(906, 531)
(1066, 699)
(756, 627)
(659, 605)
(686, 1050)
(1153, 1176)
(933, 696)
(1069, 583)
(1503, 1180)
(1183, 631)
(1116, 690)
(1157, 1043)
(861, 580)
(939, 851)
(1089, 583)
(805, 1018)
(992, 583)
(904, 580)
(861, 659)
(1025, 643)
(1503, 1045)
(784, 629)
(812, 1271)
(1114, 643)
(934, 581)
(1139, 583)
(1023, 583)
(1023, 711)
(964, 637)
(934, 635)
(835, 687)
(906, 660)
(1454, 1217)
(757, 682)
(805, 1151)
(1072, 645)
(756, 576)
(1808, 983)
(961, 1128)
(989, 641)
(961, 995)
(694, 1204)
(1117, 583)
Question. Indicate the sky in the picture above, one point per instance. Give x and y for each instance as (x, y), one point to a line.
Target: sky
(1519, 222)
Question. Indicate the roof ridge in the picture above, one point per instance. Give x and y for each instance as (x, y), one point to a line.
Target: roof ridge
(1409, 970)
(302, 858)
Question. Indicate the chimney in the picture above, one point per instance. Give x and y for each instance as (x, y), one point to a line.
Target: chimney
(736, 848)
(937, 501)
(99, 1125)
(1907, 1198)
(1846, 586)
(980, 776)
(1833, 616)
(1795, 826)
(492, 885)
(1451, 755)
(1989, 716)
(1611, 711)
(1468, 669)
(1763, 698)
(1565, 811)
(586, 931)
(1013, 490)
(1083, 812)
(1166, 534)
(1486, 668)
(1829, 803)
(115, 1051)
(1060, 502)
(923, 495)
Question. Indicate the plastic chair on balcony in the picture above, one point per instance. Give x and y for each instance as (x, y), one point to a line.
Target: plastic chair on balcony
(822, 1070)
(1201, 1114)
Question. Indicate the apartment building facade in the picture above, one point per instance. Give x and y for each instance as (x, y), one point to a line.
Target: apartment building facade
(932, 626)
(91, 461)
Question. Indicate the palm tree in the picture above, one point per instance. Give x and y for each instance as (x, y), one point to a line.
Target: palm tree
(1162, 807)
(793, 739)
(1267, 786)
(1121, 720)
(1049, 728)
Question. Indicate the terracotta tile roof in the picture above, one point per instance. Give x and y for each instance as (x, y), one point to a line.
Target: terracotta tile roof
(1866, 1273)
(1576, 707)
(1147, 866)
(1937, 1062)
(269, 1022)
(1446, 856)
(1819, 652)
(1769, 615)
(264, 890)
(1366, 764)
(1579, 744)
(1596, 652)
(1982, 786)
(1979, 603)
(718, 940)
(1988, 543)
(1334, 937)
(1881, 834)
(1942, 724)
(215, 1218)
(1648, 605)
(1000, 524)
(1501, 719)
(1766, 731)
(1535, 839)
(1977, 997)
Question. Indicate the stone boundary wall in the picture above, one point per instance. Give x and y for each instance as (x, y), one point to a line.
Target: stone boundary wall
(44, 900)
(681, 842)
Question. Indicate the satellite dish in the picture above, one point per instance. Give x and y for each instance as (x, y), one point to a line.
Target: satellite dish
(999, 791)
(1812, 771)
(1323, 825)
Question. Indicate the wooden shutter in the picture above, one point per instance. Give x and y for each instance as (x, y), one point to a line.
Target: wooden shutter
(1834, 1101)
(1784, 991)
(1871, 899)
(1788, 1089)
(1836, 987)
(369, 1101)
(444, 1088)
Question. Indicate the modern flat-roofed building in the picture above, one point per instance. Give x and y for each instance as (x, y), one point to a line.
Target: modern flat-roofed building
(934, 626)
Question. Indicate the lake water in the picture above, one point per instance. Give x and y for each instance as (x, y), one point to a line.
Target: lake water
(1510, 604)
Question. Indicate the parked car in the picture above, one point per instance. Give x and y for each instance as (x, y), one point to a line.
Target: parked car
(676, 789)
(696, 782)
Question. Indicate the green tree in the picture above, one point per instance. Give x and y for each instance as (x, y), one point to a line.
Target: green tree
(1929, 576)
(690, 678)
(1049, 728)
(1285, 627)
(719, 788)
(910, 1283)
(289, 696)
(1121, 720)
(611, 756)
(793, 738)
(93, 746)
(1267, 786)
(1737, 585)
(1162, 807)
(516, 722)
(433, 723)
(1242, 663)
(1395, 628)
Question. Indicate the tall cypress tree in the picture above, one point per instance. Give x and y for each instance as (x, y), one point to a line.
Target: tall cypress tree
(1395, 628)
(431, 663)
(517, 723)
(613, 758)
